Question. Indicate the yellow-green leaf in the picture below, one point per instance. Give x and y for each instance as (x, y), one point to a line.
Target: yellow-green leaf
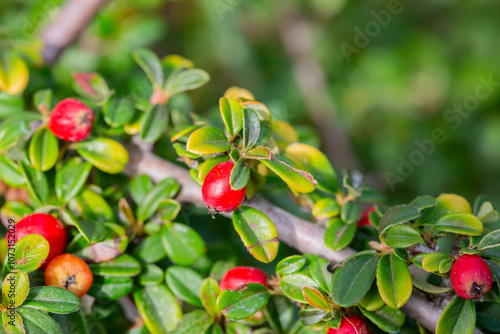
(106, 154)
(208, 140)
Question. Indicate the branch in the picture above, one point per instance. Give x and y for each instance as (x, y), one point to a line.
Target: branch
(66, 26)
(303, 235)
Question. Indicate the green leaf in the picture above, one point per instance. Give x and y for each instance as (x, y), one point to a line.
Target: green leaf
(43, 150)
(12, 322)
(423, 202)
(259, 152)
(353, 280)
(445, 203)
(315, 298)
(397, 215)
(10, 133)
(37, 322)
(490, 240)
(29, 254)
(394, 281)
(387, 319)
(240, 175)
(326, 208)
(459, 317)
(154, 123)
(429, 288)
(91, 86)
(313, 160)
(372, 301)
(139, 187)
(209, 164)
(10, 173)
(52, 299)
(244, 301)
(182, 135)
(71, 178)
(123, 265)
(445, 266)
(183, 245)
(232, 115)
(350, 212)
(460, 223)
(292, 286)
(74, 323)
(94, 207)
(401, 236)
(298, 180)
(36, 183)
(186, 80)
(158, 308)
(118, 111)
(110, 287)
(311, 316)
(251, 128)
(114, 245)
(15, 288)
(167, 188)
(257, 233)
(209, 293)
(290, 265)
(106, 154)
(185, 283)
(150, 64)
(320, 274)
(180, 149)
(208, 140)
(194, 322)
(68, 218)
(168, 209)
(151, 249)
(151, 275)
(487, 214)
(339, 234)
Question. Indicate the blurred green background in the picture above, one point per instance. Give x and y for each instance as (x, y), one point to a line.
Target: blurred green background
(400, 82)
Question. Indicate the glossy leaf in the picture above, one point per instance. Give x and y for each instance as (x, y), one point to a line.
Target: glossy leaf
(445, 203)
(251, 128)
(10, 173)
(490, 240)
(186, 80)
(118, 111)
(168, 209)
(313, 160)
(150, 64)
(74, 323)
(69, 219)
(429, 288)
(93, 206)
(460, 223)
(402, 236)
(71, 178)
(372, 301)
(29, 254)
(232, 115)
(394, 281)
(459, 317)
(354, 279)
(209, 293)
(397, 215)
(15, 288)
(339, 234)
(36, 182)
(183, 245)
(139, 187)
(158, 307)
(52, 299)
(320, 274)
(386, 318)
(111, 287)
(185, 283)
(292, 286)
(243, 302)
(38, 322)
(290, 265)
(153, 123)
(123, 265)
(259, 152)
(208, 140)
(150, 250)
(423, 202)
(240, 175)
(257, 233)
(326, 208)
(167, 188)
(315, 298)
(197, 321)
(43, 150)
(151, 275)
(297, 180)
(106, 154)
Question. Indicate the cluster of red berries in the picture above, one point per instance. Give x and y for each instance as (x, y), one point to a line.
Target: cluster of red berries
(63, 270)
(71, 120)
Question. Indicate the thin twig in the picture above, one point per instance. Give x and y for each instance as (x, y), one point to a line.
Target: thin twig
(66, 26)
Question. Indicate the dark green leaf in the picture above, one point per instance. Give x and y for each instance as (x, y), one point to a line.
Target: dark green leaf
(36, 183)
(243, 302)
(111, 287)
(194, 322)
(118, 111)
(232, 115)
(387, 319)
(165, 189)
(185, 283)
(339, 234)
(290, 265)
(459, 317)
(37, 322)
(123, 265)
(401, 236)
(150, 64)
(490, 240)
(251, 128)
(240, 175)
(397, 215)
(71, 178)
(52, 299)
(183, 245)
(154, 123)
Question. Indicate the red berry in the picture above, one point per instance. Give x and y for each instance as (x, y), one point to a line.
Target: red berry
(242, 275)
(364, 220)
(216, 191)
(471, 277)
(47, 226)
(71, 120)
(352, 324)
(69, 272)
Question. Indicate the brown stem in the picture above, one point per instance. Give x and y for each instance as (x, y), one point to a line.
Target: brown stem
(67, 25)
